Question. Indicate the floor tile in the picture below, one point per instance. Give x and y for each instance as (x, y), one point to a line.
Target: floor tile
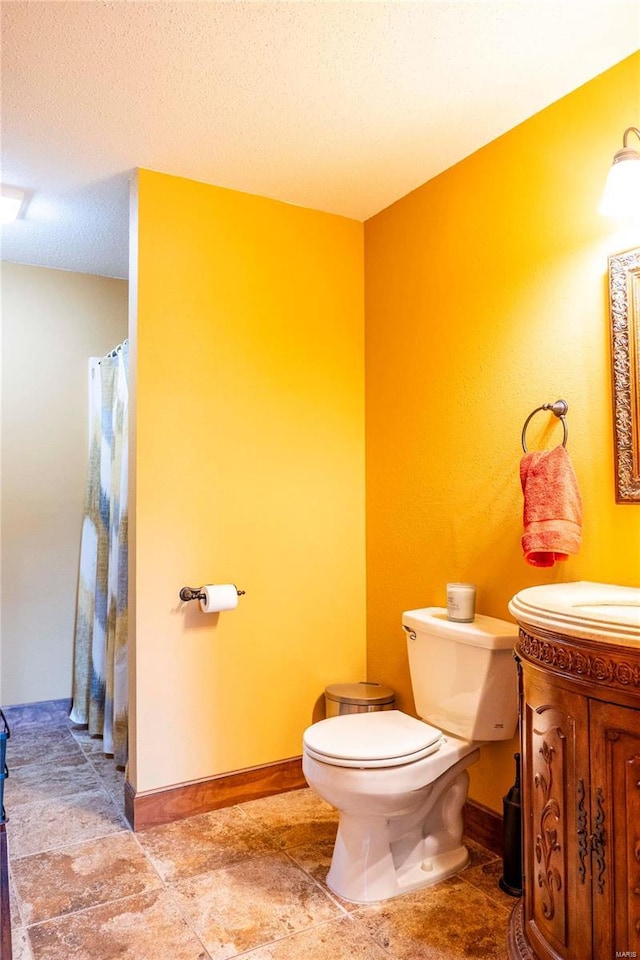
(44, 714)
(478, 855)
(14, 910)
(315, 859)
(20, 944)
(87, 743)
(486, 878)
(293, 818)
(245, 881)
(45, 781)
(32, 745)
(80, 732)
(339, 940)
(145, 927)
(198, 844)
(250, 903)
(86, 874)
(111, 778)
(451, 920)
(44, 825)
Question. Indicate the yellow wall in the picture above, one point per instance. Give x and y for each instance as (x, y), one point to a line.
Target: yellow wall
(486, 296)
(52, 322)
(249, 452)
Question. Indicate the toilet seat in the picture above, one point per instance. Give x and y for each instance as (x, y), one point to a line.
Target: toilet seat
(384, 738)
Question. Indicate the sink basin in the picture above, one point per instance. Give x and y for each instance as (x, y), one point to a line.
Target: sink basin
(582, 609)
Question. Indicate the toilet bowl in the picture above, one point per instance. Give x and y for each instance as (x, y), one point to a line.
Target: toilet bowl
(400, 815)
(400, 783)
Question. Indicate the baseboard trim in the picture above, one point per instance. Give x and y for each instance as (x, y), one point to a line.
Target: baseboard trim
(484, 826)
(156, 807)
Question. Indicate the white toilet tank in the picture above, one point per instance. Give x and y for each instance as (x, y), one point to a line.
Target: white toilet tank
(463, 675)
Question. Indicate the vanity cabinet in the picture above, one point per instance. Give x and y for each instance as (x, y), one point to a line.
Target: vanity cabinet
(580, 742)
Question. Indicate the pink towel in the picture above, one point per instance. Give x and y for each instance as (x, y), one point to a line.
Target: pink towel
(552, 507)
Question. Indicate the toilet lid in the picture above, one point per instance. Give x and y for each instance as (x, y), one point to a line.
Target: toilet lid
(383, 738)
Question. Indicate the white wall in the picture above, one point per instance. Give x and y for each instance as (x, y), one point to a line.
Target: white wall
(52, 322)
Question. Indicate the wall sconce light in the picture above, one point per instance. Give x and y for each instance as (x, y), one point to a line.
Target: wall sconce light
(621, 196)
(11, 200)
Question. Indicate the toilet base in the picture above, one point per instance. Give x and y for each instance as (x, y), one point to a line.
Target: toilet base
(376, 858)
(430, 871)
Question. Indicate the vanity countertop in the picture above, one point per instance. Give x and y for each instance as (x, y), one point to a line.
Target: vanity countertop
(591, 611)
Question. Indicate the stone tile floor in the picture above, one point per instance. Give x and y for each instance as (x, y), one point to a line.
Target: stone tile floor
(245, 881)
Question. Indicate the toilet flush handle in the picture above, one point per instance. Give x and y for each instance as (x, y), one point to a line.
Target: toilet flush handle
(412, 633)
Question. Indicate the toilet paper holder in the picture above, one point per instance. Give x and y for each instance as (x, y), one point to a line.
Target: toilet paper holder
(196, 593)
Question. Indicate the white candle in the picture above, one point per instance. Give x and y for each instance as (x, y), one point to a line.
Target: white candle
(461, 602)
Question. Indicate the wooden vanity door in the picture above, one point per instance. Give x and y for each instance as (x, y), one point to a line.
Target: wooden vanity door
(615, 825)
(555, 741)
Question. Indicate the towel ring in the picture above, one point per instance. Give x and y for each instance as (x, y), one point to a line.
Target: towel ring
(558, 409)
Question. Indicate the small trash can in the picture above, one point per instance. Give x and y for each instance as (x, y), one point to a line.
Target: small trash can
(363, 697)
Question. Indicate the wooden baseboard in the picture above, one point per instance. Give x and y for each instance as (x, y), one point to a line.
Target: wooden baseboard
(188, 799)
(484, 826)
(142, 810)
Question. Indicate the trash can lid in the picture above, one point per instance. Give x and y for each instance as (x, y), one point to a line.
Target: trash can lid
(362, 693)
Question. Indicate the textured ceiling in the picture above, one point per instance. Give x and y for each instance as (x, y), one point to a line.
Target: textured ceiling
(341, 106)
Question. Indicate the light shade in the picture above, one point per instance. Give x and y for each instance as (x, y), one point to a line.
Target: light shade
(11, 201)
(621, 196)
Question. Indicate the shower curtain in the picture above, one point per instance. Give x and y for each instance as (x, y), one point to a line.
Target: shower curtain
(100, 655)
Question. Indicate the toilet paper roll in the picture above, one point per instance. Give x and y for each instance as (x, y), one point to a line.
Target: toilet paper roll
(218, 597)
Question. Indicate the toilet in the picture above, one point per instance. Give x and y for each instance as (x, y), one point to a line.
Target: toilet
(399, 783)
